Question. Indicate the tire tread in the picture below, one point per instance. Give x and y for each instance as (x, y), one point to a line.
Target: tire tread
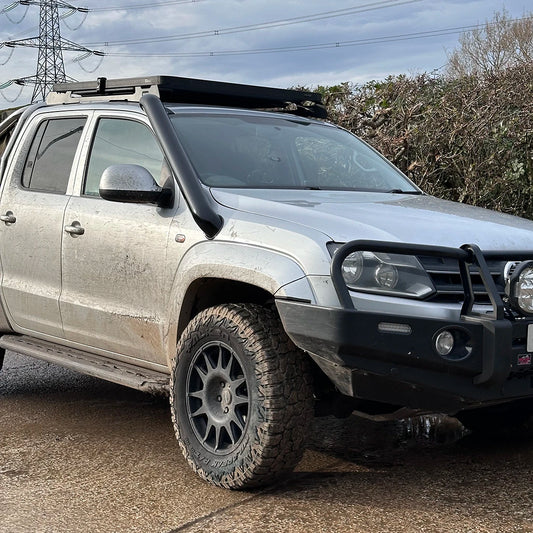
(285, 390)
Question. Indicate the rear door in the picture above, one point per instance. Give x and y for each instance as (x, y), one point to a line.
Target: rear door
(32, 205)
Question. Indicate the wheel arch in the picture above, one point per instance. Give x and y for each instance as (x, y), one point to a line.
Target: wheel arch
(216, 272)
(207, 292)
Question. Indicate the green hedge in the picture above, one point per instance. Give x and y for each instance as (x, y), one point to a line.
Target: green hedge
(469, 140)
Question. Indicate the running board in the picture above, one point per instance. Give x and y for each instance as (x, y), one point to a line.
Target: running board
(94, 365)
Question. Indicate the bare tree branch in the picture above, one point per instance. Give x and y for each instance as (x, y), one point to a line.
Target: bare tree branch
(500, 44)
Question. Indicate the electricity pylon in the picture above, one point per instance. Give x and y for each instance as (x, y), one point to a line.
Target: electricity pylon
(50, 64)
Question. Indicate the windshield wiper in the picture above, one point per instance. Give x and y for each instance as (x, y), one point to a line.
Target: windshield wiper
(399, 191)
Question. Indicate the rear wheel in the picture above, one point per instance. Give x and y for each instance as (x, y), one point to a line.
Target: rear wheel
(241, 396)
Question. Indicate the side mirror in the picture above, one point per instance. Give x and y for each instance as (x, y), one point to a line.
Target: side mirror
(132, 184)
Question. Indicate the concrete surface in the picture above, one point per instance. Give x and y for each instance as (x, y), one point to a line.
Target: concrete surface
(82, 455)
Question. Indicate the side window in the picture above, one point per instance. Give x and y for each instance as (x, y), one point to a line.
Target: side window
(123, 142)
(51, 155)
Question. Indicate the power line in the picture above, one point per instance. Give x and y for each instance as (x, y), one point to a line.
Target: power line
(144, 6)
(5, 11)
(71, 10)
(381, 4)
(151, 5)
(63, 16)
(318, 46)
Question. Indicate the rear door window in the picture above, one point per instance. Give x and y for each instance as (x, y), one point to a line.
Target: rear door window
(51, 155)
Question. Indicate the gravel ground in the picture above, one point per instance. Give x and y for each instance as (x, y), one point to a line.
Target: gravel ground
(78, 454)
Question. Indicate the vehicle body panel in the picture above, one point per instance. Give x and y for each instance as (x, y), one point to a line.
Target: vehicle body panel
(348, 215)
(116, 277)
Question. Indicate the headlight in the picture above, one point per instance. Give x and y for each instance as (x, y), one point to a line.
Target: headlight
(519, 288)
(390, 274)
(352, 268)
(386, 275)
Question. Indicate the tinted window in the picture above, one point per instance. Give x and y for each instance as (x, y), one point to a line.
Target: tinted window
(123, 142)
(51, 155)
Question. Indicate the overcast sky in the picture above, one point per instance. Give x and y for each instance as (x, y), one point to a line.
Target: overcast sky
(238, 56)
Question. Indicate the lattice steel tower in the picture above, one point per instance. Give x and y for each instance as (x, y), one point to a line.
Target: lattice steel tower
(50, 65)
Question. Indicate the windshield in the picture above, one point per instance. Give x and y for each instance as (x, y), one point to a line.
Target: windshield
(247, 151)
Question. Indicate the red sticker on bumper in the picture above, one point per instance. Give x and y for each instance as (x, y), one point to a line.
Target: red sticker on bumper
(524, 359)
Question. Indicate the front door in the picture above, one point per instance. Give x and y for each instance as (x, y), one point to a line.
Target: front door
(115, 277)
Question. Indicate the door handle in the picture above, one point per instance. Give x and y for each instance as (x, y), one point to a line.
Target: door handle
(8, 218)
(75, 229)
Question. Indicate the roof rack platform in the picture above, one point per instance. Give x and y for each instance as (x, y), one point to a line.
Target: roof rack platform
(173, 89)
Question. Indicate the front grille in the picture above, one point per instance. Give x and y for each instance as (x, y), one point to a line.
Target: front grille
(444, 273)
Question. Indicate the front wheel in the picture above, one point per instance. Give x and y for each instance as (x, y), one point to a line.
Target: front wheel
(241, 396)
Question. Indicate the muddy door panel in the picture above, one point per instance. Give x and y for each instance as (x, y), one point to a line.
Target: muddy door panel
(30, 248)
(114, 275)
(31, 225)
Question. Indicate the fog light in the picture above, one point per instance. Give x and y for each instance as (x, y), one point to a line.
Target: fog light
(444, 343)
(520, 288)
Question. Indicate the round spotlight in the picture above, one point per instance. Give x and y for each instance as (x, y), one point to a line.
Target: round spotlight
(444, 343)
(521, 288)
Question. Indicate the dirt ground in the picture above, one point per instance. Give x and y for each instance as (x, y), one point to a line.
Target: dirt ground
(82, 455)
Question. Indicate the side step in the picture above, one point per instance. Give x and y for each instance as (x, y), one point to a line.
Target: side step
(86, 363)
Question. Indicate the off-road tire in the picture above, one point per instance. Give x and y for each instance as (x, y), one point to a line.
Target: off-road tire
(272, 407)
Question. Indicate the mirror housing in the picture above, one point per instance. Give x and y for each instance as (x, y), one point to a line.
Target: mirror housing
(132, 184)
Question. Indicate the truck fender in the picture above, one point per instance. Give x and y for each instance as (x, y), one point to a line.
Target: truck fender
(263, 268)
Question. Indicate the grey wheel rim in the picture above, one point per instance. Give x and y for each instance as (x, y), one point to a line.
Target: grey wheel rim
(217, 398)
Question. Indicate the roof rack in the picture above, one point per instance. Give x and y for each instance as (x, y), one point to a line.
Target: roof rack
(173, 89)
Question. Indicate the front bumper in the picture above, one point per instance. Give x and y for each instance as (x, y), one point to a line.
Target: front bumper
(368, 361)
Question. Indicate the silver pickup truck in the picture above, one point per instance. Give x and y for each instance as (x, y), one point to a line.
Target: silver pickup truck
(225, 245)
